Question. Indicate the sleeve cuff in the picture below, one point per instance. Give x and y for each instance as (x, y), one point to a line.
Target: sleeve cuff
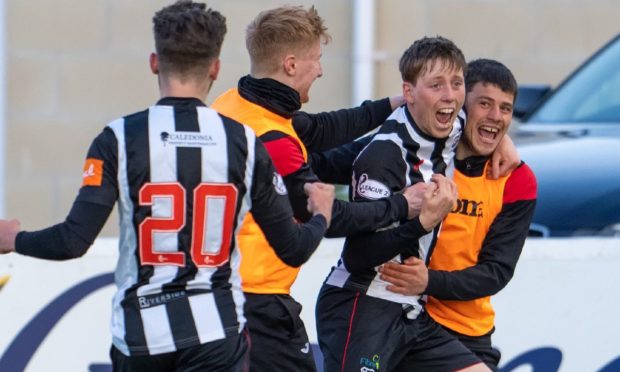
(23, 246)
(403, 206)
(321, 221)
(416, 227)
(433, 278)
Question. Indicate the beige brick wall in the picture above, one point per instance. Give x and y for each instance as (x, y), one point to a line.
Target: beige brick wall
(541, 41)
(72, 66)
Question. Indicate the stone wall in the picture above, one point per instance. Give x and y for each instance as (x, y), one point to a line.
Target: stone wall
(72, 66)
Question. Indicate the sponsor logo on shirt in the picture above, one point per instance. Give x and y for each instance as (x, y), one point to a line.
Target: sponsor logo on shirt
(371, 189)
(186, 139)
(159, 299)
(470, 208)
(93, 172)
(278, 184)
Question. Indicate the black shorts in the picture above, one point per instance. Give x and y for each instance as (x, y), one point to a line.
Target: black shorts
(481, 346)
(227, 355)
(362, 333)
(279, 341)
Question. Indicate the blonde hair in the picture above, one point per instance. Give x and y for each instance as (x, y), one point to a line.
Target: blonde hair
(275, 32)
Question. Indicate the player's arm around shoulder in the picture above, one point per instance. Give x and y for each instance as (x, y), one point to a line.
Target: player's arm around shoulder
(504, 159)
(322, 131)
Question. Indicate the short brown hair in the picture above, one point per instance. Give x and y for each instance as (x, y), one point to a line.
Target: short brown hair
(274, 32)
(413, 62)
(187, 35)
(489, 71)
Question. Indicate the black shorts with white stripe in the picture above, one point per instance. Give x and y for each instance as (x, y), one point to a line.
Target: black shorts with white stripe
(360, 332)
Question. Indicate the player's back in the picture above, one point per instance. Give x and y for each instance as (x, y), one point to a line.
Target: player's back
(183, 173)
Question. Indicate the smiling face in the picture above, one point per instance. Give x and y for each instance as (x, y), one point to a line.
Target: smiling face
(436, 97)
(489, 113)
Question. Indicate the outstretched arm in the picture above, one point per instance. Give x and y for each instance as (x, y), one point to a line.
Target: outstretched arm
(336, 165)
(90, 211)
(66, 240)
(348, 218)
(326, 130)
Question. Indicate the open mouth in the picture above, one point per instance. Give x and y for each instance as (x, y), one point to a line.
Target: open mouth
(444, 115)
(488, 133)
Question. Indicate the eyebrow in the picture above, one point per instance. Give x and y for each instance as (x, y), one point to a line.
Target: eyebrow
(494, 100)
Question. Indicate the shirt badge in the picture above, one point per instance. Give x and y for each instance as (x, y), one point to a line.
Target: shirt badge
(93, 172)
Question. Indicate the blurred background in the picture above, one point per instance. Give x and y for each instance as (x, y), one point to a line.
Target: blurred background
(70, 67)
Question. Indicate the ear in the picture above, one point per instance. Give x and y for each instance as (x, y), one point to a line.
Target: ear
(214, 69)
(408, 92)
(154, 63)
(289, 64)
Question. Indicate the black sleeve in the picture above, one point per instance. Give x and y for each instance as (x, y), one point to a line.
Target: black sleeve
(347, 218)
(336, 165)
(379, 171)
(293, 243)
(70, 239)
(365, 251)
(294, 183)
(105, 149)
(497, 260)
(90, 210)
(326, 130)
(353, 218)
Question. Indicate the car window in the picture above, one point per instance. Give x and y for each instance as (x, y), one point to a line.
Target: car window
(592, 95)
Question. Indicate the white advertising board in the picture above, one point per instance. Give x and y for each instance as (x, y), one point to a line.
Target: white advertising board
(559, 313)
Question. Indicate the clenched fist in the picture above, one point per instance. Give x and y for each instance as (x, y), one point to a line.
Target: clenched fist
(320, 199)
(439, 199)
(415, 195)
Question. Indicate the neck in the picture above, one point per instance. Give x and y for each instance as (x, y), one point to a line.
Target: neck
(277, 76)
(462, 151)
(175, 87)
(419, 122)
(466, 150)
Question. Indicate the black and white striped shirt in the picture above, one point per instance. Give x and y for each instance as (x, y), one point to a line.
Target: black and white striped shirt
(398, 156)
(184, 178)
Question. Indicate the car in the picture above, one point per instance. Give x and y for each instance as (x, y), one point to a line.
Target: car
(570, 137)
